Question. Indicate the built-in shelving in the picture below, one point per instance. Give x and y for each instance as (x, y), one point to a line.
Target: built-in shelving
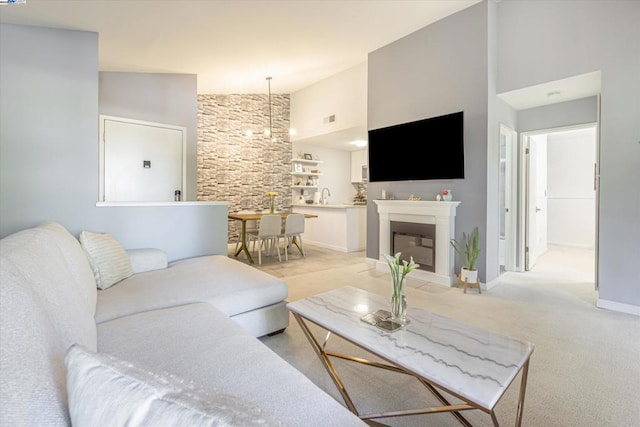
(305, 176)
(307, 161)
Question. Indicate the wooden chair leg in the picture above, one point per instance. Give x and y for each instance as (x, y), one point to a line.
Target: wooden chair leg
(286, 248)
(301, 248)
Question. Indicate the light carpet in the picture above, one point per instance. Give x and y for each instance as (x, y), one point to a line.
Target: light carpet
(585, 370)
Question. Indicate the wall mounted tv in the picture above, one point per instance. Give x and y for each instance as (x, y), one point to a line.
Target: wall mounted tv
(427, 149)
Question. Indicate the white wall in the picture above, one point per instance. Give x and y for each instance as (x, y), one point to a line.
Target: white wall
(571, 197)
(343, 95)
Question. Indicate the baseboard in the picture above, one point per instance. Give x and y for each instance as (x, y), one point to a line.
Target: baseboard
(571, 245)
(328, 246)
(618, 306)
(491, 284)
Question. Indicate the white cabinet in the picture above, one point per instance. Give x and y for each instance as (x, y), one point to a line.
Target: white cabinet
(304, 176)
(337, 227)
(359, 166)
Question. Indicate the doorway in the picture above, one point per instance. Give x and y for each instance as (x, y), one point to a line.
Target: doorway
(560, 195)
(141, 161)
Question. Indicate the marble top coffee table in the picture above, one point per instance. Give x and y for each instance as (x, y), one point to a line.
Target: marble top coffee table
(475, 365)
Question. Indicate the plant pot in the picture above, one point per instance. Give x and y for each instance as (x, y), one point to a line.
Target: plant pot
(471, 276)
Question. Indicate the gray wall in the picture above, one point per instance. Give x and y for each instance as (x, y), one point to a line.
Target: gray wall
(49, 149)
(581, 37)
(453, 65)
(571, 113)
(162, 98)
(48, 125)
(440, 69)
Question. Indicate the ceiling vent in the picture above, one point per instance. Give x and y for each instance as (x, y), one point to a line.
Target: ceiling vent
(329, 119)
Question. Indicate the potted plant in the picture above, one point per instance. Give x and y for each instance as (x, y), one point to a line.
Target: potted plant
(469, 252)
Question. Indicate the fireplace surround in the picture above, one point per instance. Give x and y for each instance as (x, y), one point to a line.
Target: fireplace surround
(440, 214)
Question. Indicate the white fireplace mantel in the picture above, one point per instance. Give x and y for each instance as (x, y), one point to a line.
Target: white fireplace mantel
(442, 214)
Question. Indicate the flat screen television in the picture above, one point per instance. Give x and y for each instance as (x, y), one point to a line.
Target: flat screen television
(427, 149)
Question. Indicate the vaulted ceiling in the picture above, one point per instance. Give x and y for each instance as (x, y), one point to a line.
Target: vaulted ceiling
(232, 45)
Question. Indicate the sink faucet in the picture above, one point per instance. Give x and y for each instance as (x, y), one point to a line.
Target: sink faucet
(323, 200)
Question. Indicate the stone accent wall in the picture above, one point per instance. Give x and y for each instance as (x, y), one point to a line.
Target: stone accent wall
(237, 168)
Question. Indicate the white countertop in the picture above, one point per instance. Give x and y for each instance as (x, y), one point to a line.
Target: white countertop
(329, 206)
(156, 204)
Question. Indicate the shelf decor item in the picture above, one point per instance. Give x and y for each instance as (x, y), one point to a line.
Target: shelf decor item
(447, 196)
(272, 199)
(399, 270)
(469, 251)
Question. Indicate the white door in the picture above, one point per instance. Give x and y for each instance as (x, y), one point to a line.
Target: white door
(536, 236)
(142, 161)
(508, 196)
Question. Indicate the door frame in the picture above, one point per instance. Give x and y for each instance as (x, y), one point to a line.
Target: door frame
(101, 150)
(531, 216)
(523, 196)
(511, 198)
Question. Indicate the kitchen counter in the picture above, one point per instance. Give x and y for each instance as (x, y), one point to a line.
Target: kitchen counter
(341, 227)
(338, 206)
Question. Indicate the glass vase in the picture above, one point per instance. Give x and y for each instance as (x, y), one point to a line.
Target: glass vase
(399, 303)
(271, 204)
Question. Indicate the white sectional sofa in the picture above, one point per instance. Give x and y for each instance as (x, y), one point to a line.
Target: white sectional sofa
(175, 345)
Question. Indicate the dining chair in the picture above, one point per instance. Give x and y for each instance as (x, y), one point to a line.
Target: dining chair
(293, 228)
(252, 227)
(268, 235)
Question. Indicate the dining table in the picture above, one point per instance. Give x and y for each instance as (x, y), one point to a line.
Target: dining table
(244, 217)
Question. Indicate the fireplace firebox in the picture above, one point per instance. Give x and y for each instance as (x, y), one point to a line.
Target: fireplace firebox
(414, 240)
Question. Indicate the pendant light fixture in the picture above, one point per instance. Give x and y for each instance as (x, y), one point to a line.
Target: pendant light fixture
(269, 132)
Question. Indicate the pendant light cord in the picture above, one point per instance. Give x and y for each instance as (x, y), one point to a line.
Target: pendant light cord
(270, 127)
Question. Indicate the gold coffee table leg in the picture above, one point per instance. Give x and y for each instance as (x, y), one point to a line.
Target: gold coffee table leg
(324, 358)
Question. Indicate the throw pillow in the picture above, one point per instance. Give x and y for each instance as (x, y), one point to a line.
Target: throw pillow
(109, 261)
(104, 390)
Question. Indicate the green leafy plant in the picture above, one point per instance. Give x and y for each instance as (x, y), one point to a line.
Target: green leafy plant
(468, 249)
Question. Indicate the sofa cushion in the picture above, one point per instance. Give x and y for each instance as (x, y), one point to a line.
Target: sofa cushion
(109, 260)
(49, 260)
(147, 259)
(228, 284)
(104, 390)
(32, 378)
(47, 303)
(201, 344)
